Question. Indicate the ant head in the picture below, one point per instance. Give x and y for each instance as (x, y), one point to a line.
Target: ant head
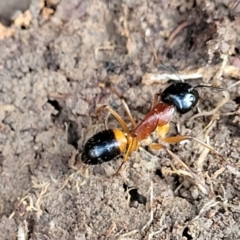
(182, 95)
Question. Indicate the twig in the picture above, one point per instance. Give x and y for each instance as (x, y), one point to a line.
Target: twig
(176, 32)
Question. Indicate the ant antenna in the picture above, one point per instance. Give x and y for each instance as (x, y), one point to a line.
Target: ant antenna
(171, 71)
(233, 85)
(218, 88)
(206, 86)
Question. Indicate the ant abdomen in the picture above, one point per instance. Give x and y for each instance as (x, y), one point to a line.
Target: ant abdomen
(182, 95)
(104, 146)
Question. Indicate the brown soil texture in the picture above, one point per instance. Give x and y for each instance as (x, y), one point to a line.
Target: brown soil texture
(57, 62)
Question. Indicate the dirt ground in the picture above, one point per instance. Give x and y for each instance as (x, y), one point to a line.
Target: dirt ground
(57, 61)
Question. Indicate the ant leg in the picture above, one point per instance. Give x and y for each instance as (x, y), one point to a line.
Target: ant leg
(155, 100)
(156, 146)
(163, 130)
(126, 108)
(202, 185)
(131, 147)
(179, 138)
(204, 188)
(116, 115)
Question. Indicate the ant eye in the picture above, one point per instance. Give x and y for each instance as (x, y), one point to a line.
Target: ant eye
(181, 95)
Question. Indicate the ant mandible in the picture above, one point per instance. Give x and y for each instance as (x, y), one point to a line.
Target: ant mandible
(104, 146)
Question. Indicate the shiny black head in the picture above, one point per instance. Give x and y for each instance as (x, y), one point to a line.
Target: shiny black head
(182, 95)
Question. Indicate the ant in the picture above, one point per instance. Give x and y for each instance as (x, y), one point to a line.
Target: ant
(104, 146)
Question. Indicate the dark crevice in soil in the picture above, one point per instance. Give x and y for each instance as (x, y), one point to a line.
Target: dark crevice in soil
(61, 118)
(186, 234)
(132, 192)
(159, 173)
(73, 135)
(55, 104)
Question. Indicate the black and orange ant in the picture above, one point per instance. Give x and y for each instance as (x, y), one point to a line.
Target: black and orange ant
(104, 146)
